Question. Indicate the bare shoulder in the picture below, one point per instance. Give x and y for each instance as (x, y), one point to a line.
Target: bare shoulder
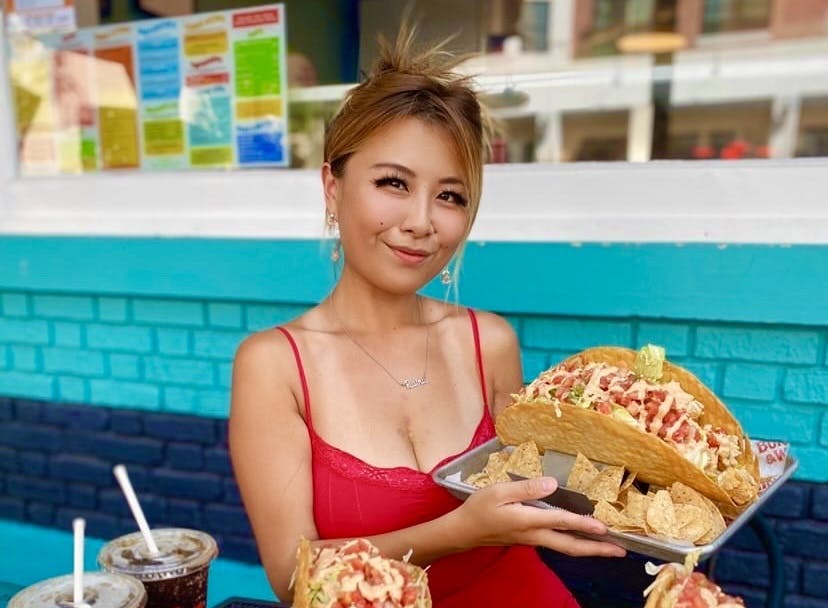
(496, 334)
(264, 366)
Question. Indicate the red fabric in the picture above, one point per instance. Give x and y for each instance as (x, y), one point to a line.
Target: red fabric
(352, 498)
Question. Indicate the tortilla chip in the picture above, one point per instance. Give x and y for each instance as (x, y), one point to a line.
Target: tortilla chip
(605, 439)
(682, 494)
(581, 474)
(525, 460)
(693, 522)
(628, 481)
(479, 480)
(661, 515)
(740, 485)
(636, 509)
(606, 485)
(608, 514)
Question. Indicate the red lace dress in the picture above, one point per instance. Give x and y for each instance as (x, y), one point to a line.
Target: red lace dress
(352, 498)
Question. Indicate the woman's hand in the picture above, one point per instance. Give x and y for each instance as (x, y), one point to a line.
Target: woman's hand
(495, 516)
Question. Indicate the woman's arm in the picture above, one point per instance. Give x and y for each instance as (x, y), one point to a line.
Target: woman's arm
(270, 451)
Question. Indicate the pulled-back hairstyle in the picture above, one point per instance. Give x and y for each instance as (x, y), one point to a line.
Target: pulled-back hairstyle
(411, 83)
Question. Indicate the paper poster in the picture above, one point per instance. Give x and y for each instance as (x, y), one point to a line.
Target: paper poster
(41, 16)
(201, 91)
(114, 75)
(261, 79)
(159, 83)
(31, 72)
(75, 101)
(207, 95)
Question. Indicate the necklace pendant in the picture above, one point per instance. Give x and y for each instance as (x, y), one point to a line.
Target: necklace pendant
(414, 383)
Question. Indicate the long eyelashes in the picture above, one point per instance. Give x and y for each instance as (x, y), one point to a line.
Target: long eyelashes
(398, 183)
(395, 181)
(458, 198)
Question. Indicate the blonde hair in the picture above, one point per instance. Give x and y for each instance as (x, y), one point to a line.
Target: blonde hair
(410, 83)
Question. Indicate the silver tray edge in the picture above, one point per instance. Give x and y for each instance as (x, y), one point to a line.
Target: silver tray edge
(649, 546)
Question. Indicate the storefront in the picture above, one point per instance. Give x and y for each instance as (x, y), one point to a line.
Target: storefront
(125, 288)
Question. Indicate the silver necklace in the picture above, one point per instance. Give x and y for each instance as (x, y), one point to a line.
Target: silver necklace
(406, 383)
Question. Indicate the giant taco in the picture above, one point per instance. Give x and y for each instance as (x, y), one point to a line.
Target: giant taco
(637, 410)
(677, 586)
(354, 573)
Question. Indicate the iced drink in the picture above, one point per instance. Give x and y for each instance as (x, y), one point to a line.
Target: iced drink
(100, 590)
(176, 577)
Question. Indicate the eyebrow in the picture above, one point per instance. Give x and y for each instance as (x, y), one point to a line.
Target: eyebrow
(406, 171)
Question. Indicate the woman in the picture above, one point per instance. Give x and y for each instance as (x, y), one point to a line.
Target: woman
(339, 417)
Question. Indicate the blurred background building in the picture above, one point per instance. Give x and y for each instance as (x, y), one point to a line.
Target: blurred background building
(574, 80)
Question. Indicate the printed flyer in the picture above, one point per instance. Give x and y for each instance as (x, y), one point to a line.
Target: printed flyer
(208, 90)
(31, 69)
(258, 52)
(159, 82)
(117, 97)
(197, 92)
(75, 102)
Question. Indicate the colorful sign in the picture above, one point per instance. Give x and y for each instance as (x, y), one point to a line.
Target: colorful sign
(41, 16)
(159, 82)
(202, 91)
(258, 45)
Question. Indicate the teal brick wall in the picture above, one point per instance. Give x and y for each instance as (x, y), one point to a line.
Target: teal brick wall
(174, 355)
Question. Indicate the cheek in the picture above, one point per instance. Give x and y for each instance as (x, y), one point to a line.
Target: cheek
(453, 229)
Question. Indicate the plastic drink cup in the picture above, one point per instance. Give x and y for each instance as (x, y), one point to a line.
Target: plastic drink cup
(100, 590)
(176, 577)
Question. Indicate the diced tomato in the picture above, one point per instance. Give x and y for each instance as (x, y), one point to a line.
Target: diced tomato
(712, 440)
(409, 595)
(372, 575)
(658, 395)
(627, 382)
(603, 407)
(683, 432)
(605, 382)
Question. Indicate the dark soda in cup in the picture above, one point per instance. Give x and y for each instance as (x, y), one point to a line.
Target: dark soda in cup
(176, 577)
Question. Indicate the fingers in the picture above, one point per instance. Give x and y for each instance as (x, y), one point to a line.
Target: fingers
(527, 489)
(568, 544)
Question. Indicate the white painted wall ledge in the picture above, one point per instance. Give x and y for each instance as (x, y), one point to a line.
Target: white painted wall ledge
(751, 201)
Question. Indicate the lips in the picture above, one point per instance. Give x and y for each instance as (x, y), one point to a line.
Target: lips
(409, 255)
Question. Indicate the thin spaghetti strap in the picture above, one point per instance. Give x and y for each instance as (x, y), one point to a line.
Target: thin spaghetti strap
(302, 378)
(479, 354)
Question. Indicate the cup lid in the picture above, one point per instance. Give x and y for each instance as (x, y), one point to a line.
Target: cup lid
(181, 551)
(100, 589)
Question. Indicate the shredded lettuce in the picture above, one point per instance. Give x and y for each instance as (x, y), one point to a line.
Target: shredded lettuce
(649, 363)
(621, 414)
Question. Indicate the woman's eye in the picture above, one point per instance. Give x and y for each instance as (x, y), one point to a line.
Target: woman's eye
(454, 197)
(393, 182)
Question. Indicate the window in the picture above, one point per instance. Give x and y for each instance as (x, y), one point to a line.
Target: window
(734, 15)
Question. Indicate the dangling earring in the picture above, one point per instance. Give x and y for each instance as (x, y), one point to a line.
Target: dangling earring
(333, 224)
(335, 253)
(445, 277)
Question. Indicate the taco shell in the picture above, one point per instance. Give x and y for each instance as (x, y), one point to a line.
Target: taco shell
(304, 564)
(605, 439)
(301, 593)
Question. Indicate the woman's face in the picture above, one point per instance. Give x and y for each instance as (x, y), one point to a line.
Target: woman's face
(402, 205)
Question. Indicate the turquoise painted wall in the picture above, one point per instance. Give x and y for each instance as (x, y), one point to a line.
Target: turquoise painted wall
(153, 324)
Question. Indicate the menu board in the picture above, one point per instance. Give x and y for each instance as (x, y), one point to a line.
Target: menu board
(198, 92)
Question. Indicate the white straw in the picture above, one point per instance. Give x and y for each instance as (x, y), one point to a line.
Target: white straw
(123, 479)
(78, 526)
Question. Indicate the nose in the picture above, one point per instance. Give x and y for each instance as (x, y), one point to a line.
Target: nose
(418, 219)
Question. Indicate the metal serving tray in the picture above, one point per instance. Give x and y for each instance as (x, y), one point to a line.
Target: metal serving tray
(556, 464)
